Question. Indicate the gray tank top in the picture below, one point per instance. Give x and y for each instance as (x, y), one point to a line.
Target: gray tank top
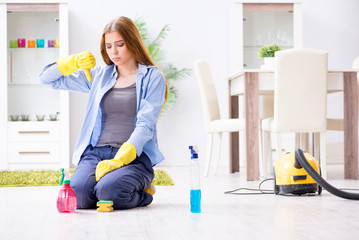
(118, 116)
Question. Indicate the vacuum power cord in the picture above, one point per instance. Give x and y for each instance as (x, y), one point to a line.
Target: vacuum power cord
(255, 191)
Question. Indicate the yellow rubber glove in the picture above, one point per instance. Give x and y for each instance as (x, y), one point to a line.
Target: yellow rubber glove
(70, 64)
(124, 156)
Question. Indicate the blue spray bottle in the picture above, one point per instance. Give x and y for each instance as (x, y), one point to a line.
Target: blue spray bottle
(195, 186)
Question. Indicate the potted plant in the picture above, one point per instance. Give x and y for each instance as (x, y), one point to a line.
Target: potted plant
(267, 53)
(171, 73)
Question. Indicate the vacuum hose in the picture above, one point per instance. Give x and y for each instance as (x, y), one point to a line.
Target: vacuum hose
(337, 192)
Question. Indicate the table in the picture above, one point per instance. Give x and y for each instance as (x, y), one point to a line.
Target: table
(254, 82)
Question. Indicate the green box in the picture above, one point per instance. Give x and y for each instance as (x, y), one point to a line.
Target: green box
(13, 43)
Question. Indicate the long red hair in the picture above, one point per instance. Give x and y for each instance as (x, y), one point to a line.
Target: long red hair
(130, 34)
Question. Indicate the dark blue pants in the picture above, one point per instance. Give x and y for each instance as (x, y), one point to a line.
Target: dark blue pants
(124, 186)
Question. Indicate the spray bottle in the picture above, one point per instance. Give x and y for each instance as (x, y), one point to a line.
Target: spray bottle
(195, 186)
(66, 200)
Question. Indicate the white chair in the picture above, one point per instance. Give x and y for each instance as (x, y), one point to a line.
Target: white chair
(338, 124)
(300, 101)
(213, 122)
(333, 124)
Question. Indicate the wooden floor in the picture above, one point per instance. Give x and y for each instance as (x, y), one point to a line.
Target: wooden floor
(30, 213)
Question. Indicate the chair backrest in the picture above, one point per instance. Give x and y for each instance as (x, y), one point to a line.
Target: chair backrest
(207, 91)
(300, 99)
(356, 63)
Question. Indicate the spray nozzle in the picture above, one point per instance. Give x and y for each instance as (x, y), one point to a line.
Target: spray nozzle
(62, 176)
(194, 151)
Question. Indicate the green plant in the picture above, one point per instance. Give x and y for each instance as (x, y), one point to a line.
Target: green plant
(171, 73)
(268, 50)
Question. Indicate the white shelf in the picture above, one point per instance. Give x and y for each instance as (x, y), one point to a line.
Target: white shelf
(33, 48)
(258, 47)
(27, 85)
(25, 144)
(32, 120)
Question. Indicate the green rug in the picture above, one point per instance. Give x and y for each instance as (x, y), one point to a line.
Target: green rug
(52, 178)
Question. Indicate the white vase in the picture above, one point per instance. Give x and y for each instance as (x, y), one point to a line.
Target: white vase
(268, 63)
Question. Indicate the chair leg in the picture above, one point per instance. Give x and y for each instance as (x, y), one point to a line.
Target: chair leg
(297, 140)
(279, 146)
(261, 158)
(209, 153)
(261, 153)
(311, 148)
(317, 146)
(304, 141)
(219, 147)
(267, 153)
(323, 155)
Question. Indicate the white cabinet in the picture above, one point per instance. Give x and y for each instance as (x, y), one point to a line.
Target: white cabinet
(32, 144)
(253, 25)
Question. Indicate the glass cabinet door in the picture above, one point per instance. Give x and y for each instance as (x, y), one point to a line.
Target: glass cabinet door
(253, 25)
(31, 38)
(265, 24)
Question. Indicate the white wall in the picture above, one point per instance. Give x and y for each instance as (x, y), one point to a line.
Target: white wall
(199, 29)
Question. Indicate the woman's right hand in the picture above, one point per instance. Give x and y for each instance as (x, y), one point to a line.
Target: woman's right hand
(86, 61)
(70, 64)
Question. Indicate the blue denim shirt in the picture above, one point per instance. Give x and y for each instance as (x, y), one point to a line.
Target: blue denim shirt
(150, 90)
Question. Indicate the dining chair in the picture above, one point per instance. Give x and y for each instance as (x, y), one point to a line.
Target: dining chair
(214, 124)
(334, 124)
(300, 99)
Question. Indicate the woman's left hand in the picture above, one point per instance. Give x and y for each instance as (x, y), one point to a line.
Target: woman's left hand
(124, 156)
(107, 166)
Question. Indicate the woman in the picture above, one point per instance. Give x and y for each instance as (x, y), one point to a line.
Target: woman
(117, 146)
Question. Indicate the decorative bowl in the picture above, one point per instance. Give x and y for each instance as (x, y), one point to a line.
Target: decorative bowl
(14, 117)
(40, 117)
(25, 117)
(53, 117)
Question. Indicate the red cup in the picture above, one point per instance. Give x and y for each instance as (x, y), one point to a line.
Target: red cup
(21, 42)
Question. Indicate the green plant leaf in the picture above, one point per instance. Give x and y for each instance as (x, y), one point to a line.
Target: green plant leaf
(171, 73)
(141, 25)
(268, 50)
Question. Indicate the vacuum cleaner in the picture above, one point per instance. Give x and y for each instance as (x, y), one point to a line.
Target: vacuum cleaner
(299, 173)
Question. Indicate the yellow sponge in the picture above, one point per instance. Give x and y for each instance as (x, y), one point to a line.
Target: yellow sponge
(104, 206)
